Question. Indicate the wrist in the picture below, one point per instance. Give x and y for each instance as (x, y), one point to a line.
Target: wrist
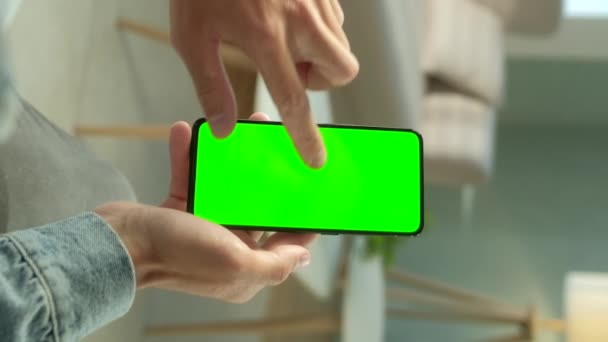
(124, 218)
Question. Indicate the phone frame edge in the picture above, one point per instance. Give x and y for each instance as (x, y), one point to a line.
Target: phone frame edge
(192, 181)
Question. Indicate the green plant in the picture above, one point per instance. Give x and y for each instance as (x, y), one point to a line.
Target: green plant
(386, 246)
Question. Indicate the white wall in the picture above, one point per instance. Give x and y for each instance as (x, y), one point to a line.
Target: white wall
(577, 38)
(72, 63)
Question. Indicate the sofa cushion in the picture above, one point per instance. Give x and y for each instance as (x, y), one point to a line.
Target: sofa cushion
(537, 17)
(463, 46)
(458, 133)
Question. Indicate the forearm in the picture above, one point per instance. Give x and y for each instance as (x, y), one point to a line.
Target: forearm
(61, 281)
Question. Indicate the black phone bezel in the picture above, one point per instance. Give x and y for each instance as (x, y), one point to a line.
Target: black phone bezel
(192, 182)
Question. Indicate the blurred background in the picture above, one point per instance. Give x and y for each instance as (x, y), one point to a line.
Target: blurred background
(511, 98)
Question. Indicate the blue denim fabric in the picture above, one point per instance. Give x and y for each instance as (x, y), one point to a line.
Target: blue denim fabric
(61, 281)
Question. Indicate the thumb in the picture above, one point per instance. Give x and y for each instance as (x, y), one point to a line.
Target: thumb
(179, 151)
(213, 87)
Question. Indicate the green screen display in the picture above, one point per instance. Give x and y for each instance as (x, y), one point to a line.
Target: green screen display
(371, 183)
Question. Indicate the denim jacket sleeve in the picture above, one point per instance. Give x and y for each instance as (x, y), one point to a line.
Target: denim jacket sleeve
(61, 281)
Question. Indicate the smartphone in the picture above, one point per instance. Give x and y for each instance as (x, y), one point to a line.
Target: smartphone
(372, 182)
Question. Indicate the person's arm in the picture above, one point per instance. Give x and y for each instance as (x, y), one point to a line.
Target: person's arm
(61, 281)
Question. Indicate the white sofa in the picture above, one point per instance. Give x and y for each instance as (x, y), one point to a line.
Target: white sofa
(437, 66)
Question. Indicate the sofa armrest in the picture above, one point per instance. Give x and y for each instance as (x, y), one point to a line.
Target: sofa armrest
(533, 17)
(459, 138)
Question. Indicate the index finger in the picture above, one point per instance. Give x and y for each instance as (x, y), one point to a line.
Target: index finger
(289, 94)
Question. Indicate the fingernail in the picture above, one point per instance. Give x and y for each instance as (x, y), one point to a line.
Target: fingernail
(319, 160)
(221, 125)
(303, 261)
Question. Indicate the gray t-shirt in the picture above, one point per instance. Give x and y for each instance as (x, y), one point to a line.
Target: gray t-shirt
(45, 173)
(8, 97)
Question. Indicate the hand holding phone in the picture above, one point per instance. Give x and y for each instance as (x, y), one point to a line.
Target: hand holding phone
(174, 250)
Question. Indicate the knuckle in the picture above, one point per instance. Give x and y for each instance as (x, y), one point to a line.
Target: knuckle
(244, 298)
(351, 70)
(339, 12)
(301, 8)
(239, 294)
(292, 104)
(340, 16)
(207, 84)
(238, 299)
(354, 69)
(237, 264)
(267, 32)
(280, 274)
(346, 71)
